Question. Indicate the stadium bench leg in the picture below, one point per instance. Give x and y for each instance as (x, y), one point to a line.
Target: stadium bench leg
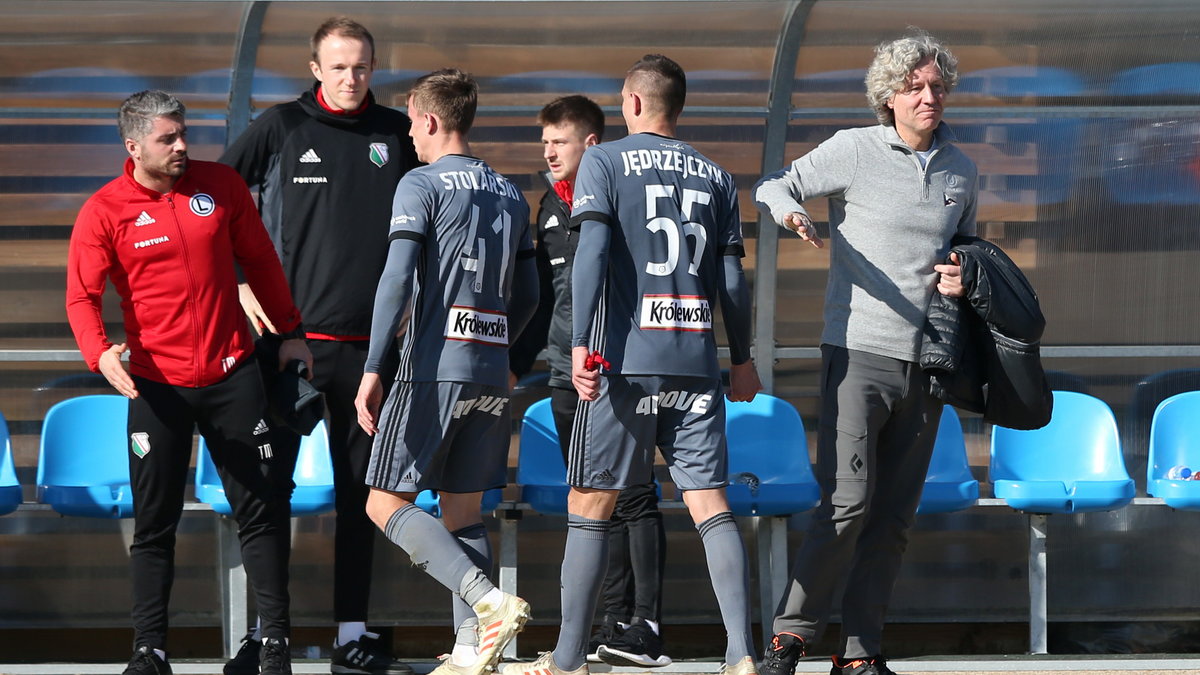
(508, 564)
(1037, 583)
(771, 537)
(232, 580)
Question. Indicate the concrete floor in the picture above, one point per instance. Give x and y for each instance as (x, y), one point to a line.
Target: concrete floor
(984, 665)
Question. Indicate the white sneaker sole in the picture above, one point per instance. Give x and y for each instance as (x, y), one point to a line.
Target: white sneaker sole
(616, 657)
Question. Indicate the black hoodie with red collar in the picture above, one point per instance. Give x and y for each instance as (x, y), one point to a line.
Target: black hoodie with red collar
(326, 180)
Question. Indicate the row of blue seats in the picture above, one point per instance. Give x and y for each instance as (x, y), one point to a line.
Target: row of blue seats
(1072, 465)
(83, 466)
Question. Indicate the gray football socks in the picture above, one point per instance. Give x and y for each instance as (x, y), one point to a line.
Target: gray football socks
(584, 563)
(475, 543)
(436, 552)
(727, 568)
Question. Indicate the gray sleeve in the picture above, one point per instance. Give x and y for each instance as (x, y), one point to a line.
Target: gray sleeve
(526, 293)
(967, 225)
(828, 169)
(392, 297)
(735, 308)
(587, 278)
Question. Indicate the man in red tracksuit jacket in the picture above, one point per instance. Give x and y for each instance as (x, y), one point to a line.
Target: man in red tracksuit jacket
(167, 234)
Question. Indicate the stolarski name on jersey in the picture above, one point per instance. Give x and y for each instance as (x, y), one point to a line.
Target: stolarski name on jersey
(476, 325)
(479, 180)
(673, 312)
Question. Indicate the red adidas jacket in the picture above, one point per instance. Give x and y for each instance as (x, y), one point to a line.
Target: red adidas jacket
(171, 258)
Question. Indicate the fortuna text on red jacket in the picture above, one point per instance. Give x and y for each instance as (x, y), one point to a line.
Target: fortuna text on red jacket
(171, 258)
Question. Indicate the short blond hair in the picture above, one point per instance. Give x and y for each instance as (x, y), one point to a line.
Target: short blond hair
(345, 27)
(450, 94)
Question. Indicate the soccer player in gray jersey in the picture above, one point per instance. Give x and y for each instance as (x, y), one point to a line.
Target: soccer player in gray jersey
(460, 268)
(661, 226)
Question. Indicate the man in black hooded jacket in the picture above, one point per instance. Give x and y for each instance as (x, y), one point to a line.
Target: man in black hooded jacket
(326, 166)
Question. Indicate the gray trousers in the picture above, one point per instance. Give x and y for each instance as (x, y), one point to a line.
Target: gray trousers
(877, 427)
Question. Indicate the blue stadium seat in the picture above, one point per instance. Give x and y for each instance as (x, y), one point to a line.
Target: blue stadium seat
(85, 80)
(1055, 139)
(848, 81)
(430, 502)
(1175, 441)
(10, 488)
(1071, 465)
(541, 472)
(83, 462)
(1158, 168)
(1155, 388)
(313, 477)
(949, 485)
(769, 470)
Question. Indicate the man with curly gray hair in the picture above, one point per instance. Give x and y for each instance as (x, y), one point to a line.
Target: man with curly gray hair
(898, 193)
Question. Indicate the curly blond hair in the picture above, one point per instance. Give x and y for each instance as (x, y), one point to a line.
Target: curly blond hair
(894, 63)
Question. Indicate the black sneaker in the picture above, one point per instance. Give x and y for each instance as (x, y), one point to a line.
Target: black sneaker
(639, 645)
(781, 657)
(274, 657)
(872, 666)
(608, 631)
(146, 662)
(366, 656)
(245, 661)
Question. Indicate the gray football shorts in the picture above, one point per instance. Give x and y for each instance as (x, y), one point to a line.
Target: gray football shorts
(614, 437)
(448, 436)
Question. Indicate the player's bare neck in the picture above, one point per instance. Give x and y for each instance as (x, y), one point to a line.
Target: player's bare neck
(653, 125)
(452, 145)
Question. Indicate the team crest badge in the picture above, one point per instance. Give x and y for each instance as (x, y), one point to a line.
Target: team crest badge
(202, 204)
(379, 154)
(139, 443)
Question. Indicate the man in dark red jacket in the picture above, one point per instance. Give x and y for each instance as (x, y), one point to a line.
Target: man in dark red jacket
(167, 234)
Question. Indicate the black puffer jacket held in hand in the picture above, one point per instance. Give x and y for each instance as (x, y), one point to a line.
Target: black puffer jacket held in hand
(982, 351)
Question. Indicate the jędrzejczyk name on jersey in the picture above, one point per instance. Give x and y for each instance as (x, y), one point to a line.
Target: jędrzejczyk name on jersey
(474, 325)
(669, 312)
(642, 159)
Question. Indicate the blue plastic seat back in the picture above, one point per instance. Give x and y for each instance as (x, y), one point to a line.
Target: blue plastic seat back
(1052, 142)
(1072, 464)
(313, 476)
(949, 485)
(769, 470)
(541, 472)
(314, 492)
(10, 487)
(83, 461)
(1152, 162)
(431, 502)
(1175, 441)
